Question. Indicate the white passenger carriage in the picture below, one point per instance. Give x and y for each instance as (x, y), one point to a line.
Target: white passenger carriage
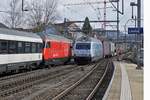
(87, 49)
(19, 50)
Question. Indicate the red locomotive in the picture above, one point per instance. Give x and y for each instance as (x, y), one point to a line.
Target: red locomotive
(57, 50)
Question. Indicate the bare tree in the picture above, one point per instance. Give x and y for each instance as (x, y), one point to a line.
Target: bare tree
(50, 12)
(35, 14)
(42, 12)
(14, 18)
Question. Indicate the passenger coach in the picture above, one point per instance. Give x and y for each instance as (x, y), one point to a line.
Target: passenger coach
(19, 50)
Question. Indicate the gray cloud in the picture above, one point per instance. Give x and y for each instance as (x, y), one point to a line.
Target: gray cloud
(80, 12)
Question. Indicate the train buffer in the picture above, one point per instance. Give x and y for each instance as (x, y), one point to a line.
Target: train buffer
(126, 83)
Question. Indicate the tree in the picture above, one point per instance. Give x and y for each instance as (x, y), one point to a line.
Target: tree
(50, 12)
(87, 29)
(42, 13)
(34, 17)
(14, 18)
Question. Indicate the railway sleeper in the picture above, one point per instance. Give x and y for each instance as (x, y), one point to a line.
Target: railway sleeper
(20, 88)
(15, 83)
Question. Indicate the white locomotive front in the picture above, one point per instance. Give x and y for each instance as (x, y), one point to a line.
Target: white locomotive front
(87, 49)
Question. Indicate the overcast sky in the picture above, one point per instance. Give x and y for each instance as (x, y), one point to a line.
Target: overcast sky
(80, 12)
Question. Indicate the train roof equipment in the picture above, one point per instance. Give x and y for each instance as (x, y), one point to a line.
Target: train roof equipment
(52, 34)
(87, 39)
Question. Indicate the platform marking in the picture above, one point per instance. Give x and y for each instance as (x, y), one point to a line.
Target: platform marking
(125, 85)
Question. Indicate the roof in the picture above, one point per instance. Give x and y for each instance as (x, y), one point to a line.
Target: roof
(52, 34)
(3, 26)
(17, 33)
(9, 34)
(87, 39)
(70, 26)
(57, 38)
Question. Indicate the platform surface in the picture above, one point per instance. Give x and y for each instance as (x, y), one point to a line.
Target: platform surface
(127, 83)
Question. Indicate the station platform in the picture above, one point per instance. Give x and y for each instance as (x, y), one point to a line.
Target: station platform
(126, 84)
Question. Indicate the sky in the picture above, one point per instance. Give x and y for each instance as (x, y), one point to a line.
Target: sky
(81, 11)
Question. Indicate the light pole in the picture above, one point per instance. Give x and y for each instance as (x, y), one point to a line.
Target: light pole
(138, 5)
(23, 7)
(118, 13)
(118, 21)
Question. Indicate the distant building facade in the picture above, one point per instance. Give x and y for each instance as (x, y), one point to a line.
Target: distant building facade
(69, 29)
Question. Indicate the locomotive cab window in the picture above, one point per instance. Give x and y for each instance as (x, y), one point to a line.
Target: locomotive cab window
(39, 48)
(84, 46)
(48, 45)
(3, 47)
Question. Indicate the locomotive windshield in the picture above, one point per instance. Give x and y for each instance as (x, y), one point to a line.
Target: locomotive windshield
(83, 46)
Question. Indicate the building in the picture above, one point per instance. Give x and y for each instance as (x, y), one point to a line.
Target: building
(69, 30)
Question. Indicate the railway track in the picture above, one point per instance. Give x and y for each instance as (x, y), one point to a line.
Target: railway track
(63, 83)
(85, 87)
(18, 83)
(49, 86)
(2, 79)
(79, 84)
(99, 93)
(10, 81)
(16, 75)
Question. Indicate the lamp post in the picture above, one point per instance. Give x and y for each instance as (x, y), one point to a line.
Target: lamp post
(118, 13)
(138, 5)
(23, 7)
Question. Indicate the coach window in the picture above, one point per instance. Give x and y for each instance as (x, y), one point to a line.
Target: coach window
(39, 47)
(27, 47)
(20, 47)
(12, 47)
(33, 48)
(3, 47)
